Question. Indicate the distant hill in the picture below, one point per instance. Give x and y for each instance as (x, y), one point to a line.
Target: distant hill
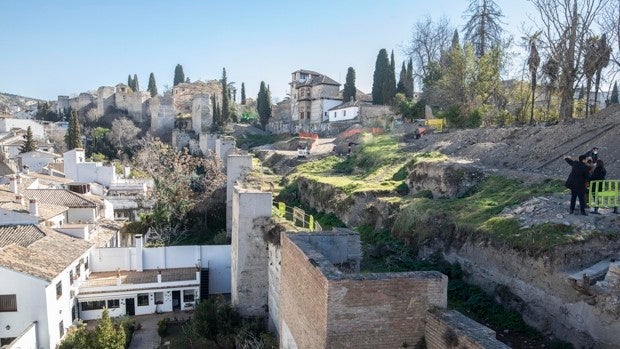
(9, 101)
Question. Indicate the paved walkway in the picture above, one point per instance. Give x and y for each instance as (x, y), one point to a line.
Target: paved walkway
(146, 337)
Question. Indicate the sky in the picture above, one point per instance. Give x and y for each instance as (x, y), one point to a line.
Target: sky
(63, 47)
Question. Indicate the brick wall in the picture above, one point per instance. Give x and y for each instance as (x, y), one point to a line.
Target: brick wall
(303, 300)
(451, 329)
(320, 307)
(381, 310)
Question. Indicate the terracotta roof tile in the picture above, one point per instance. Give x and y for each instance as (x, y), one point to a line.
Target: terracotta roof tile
(22, 235)
(46, 257)
(60, 197)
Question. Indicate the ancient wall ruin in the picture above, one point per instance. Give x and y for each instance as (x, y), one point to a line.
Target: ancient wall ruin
(451, 329)
(249, 254)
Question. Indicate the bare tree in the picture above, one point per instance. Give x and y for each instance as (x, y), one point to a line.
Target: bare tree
(123, 134)
(565, 25)
(609, 21)
(589, 67)
(428, 41)
(181, 181)
(483, 28)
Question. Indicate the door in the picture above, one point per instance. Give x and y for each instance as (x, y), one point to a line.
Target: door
(130, 306)
(176, 300)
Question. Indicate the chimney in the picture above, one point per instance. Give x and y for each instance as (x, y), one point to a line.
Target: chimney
(34, 207)
(158, 275)
(14, 184)
(18, 179)
(19, 200)
(139, 246)
(25, 169)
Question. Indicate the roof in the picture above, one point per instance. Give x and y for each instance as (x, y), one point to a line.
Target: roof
(317, 80)
(47, 178)
(39, 154)
(128, 277)
(349, 104)
(46, 211)
(44, 258)
(104, 232)
(21, 235)
(61, 197)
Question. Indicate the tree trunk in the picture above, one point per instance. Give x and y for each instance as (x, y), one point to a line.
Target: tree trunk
(533, 97)
(588, 87)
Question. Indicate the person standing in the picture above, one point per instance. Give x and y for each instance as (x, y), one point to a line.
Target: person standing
(592, 154)
(599, 174)
(576, 182)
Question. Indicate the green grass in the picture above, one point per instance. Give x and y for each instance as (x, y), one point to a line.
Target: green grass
(250, 141)
(476, 214)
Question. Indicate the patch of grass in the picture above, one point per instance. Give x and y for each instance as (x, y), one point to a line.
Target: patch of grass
(476, 213)
(250, 141)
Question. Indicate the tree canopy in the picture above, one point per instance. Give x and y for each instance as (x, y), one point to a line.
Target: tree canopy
(349, 86)
(30, 144)
(242, 93)
(263, 105)
(179, 75)
(152, 88)
(383, 85)
(483, 29)
(73, 138)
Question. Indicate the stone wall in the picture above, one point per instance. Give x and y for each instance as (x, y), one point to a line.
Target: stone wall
(249, 253)
(237, 166)
(326, 305)
(444, 179)
(202, 116)
(224, 146)
(451, 329)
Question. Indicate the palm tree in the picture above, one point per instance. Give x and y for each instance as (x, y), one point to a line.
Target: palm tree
(533, 62)
(551, 69)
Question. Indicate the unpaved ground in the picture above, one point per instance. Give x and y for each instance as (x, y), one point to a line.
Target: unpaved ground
(530, 153)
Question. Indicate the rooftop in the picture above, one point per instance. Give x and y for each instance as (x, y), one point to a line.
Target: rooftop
(61, 197)
(131, 277)
(46, 211)
(45, 257)
(22, 235)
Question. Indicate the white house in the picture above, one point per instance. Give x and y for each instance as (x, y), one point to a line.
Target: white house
(36, 160)
(137, 280)
(346, 111)
(8, 124)
(81, 209)
(80, 170)
(40, 270)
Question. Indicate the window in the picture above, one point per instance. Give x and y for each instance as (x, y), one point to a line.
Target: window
(92, 305)
(6, 340)
(344, 113)
(143, 299)
(8, 302)
(58, 289)
(77, 271)
(70, 277)
(61, 329)
(159, 298)
(86, 264)
(188, 295)
(113, 303)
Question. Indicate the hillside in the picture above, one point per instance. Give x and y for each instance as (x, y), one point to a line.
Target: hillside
(7, 101)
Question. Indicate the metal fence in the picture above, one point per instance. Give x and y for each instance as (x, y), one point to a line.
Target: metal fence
(297, 216)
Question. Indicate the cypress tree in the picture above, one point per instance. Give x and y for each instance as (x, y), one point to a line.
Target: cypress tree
(152, 88)
(179, 76)
(409, 84)
(73, 138)
(263, 105)
(130, 81)
(402, 81)
(614, 94)
(136, 85)
(349, 86)
(29, 143)
(380, 78)
(242, 93)
(225, 100)
(390, 90)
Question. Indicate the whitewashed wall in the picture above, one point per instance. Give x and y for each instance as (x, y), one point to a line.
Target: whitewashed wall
(26, 340)
(215, 257)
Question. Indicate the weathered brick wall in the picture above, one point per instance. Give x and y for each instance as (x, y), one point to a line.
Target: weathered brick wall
(451, 329)
(303, 300)
(382, 310)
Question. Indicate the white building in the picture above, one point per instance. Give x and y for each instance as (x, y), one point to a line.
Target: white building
(345, 111)
(8, 124)
(80, 170)
(40, 270)
(36, 160)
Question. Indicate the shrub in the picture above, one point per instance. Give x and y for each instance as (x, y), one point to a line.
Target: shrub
(162, 327)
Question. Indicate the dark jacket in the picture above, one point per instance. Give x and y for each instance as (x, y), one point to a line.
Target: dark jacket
(579, 174)
(590, 154)
(598, 174)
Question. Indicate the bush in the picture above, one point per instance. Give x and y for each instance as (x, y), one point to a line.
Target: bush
(162, 327)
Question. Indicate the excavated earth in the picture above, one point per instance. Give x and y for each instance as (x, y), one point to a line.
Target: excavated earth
(546, 288)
